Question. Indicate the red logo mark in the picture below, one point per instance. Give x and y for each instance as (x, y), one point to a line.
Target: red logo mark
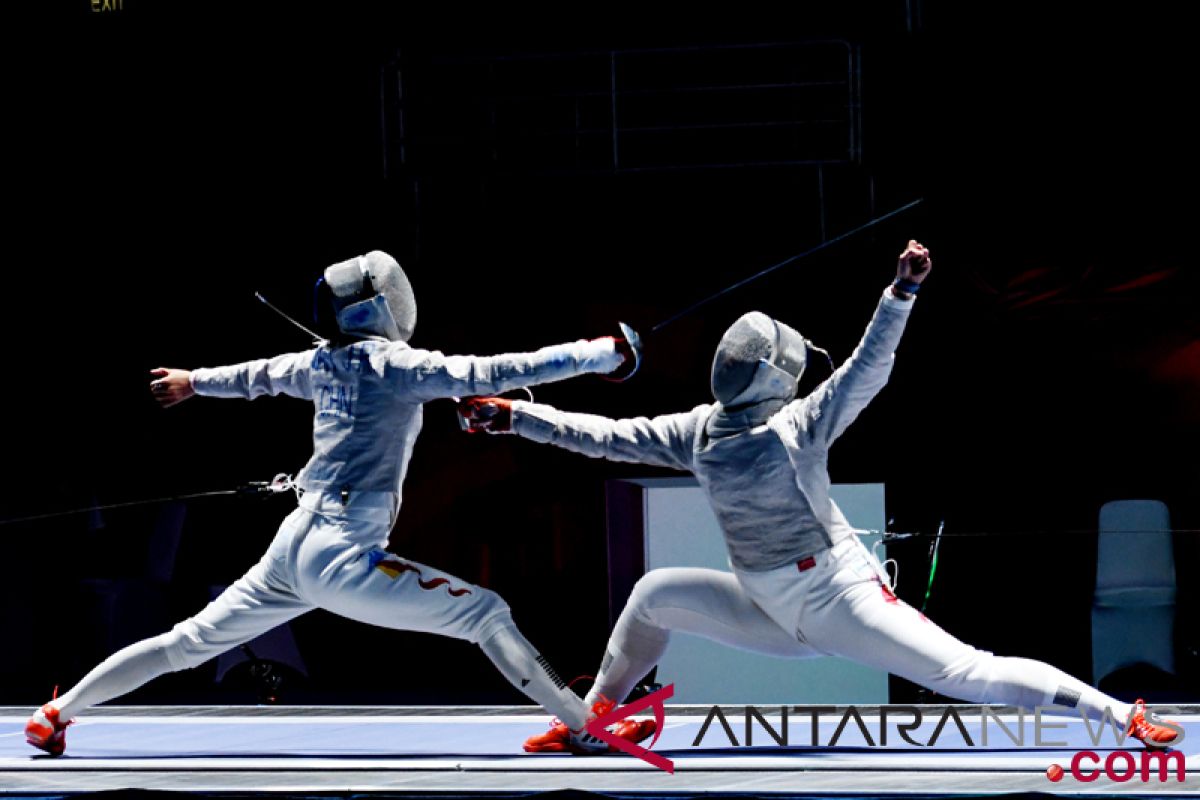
(806, 563)
(597, 728)
(1121, 766)
(394, 569)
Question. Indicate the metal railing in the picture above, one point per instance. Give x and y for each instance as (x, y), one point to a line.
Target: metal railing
(609, 111)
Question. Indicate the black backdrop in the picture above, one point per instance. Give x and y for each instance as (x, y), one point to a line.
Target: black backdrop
(165, 163)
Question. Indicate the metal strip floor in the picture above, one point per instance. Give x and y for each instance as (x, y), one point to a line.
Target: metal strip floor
(477, 750)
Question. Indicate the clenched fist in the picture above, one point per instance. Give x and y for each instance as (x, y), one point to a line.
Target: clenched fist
(914, 263)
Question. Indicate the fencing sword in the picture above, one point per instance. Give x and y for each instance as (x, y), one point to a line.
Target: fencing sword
(277, 485)
(786, 262)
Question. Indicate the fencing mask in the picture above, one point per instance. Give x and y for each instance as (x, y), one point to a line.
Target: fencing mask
(758, 359)
(370, 296)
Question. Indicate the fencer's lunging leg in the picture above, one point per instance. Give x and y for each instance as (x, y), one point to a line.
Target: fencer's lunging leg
(703, 602)
(529, 672)
(253, 605)
(237, 616)
(381, 588)
(871, 627)
(848, 611)
(633, 649)
(120, 673)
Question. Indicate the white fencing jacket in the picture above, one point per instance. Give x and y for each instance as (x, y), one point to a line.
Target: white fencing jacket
(764, 470)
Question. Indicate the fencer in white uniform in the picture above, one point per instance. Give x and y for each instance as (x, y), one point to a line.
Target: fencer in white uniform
(802, 584)
(368, 387)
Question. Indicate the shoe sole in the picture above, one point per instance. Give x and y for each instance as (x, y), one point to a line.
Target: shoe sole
(52, 749)
(645, 729)
(43, 738)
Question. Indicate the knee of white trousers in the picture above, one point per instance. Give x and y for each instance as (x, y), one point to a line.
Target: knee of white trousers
(639, 619)
(185, 648)
(651, 592)
(489, 615)
(969, 678)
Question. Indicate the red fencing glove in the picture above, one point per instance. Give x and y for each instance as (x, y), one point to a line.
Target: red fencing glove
(629, 345)
(487, 414)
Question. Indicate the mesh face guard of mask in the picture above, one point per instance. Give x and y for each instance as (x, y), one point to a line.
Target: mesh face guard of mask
(758, 358)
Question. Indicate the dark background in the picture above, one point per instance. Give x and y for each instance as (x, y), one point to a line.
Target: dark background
(165, 162)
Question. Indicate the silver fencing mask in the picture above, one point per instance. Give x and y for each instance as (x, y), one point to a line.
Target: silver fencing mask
(758, 359)
(371, 296)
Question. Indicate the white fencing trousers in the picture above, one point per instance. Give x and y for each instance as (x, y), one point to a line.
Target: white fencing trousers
(839, 606)
(702, 602)
(314, 561)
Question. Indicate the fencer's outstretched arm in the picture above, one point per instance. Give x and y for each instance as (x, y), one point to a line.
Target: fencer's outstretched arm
(664, 441)
(428, 374)
(825, 413)
(286, 374)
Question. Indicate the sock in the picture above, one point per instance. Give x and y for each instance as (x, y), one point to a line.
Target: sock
(1027, 683)
(633, 650)
(529, 671)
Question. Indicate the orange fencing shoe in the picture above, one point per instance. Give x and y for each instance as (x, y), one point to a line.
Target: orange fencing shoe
(1149, 733)
(45, 731)
(561, 739)
(635, 730)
